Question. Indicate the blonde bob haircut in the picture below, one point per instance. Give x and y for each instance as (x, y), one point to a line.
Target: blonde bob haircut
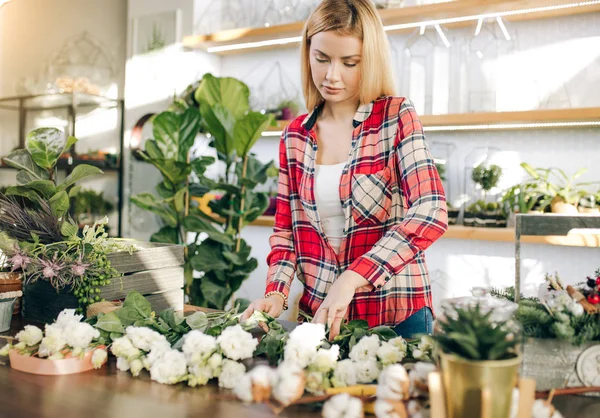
(360, 19)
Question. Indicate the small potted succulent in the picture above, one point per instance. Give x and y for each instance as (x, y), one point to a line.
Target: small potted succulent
(273, 174)
(289, 109)
(485, 214)
(478, 343)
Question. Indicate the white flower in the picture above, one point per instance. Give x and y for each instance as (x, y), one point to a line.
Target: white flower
(324, 360)
(343, 406)
(387, 409)
(80, 334)
(243, 388)
(170, 368)
(316, 382)
(419, 376)
(53, 342)
(214, 363)
(254, 319)
(236, 343)
(365, 349)
(309, 334)
(198, 347)
(56, 356)
(4, 351)
(66, 318)
(576, 309)
(344, 374)
(290, 383)
(389, 354)
(262, 378)
(31, 335)
(367, 371)
(394, 383)
(142, 337)
(231, 373)
(123, 347)
(199, 375)
(400, 343)
(122, 364)
(136, 366)
(299, 353)
(99, 358)
(157, 349)
(542, 410)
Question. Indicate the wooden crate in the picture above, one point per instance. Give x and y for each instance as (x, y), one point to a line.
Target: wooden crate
(155, 270)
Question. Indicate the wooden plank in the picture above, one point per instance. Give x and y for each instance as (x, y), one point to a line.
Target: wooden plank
(145, 282)
(150, 256)
(541, 225)
(165, 300)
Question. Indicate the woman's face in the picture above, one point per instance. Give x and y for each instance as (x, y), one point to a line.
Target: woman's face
(335, 66)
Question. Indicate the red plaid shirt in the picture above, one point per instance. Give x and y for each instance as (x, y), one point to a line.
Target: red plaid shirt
(394, 205)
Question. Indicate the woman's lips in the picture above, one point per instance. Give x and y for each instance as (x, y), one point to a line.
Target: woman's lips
(331, 90)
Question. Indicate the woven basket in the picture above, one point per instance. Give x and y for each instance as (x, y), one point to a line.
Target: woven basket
(102, 307)
(11, 282)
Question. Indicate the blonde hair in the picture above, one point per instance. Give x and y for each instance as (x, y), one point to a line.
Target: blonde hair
(360, 19)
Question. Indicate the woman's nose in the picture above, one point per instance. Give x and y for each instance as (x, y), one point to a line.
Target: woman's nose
(333, 73)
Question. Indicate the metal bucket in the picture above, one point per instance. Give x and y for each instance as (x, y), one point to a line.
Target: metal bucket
(6, 313)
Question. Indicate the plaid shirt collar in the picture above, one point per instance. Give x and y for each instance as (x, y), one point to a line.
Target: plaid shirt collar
(362, 113)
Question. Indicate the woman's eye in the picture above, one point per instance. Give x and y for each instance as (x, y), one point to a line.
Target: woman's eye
(350, 65)
(320, 60)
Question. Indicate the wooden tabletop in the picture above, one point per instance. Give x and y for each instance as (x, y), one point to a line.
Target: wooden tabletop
(109, 393)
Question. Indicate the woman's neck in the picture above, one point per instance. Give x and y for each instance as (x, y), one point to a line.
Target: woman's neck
(340, 112)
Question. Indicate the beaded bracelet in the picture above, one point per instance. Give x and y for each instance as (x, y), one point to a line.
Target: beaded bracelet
(285, 302)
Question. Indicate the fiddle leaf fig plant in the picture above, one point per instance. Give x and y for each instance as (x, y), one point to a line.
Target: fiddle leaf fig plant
(36, 178)
(217, 258)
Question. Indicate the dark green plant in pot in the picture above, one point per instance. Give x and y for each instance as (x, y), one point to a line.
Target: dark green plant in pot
(486, 177)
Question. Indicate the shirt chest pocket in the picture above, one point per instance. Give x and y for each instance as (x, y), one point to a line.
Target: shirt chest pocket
(371, 197)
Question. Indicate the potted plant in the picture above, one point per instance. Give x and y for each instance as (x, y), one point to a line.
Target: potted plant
(486, 177)
(484, 214)
(589, 204)
(273, 175)
(478, 346)
(90, 206)
(452, 214)
(289, 109)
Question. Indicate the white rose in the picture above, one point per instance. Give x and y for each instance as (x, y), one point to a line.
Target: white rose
(80, 334)
(389, 354)
(122, 364)
(343, 406)
(66, 318)
(400, 343)
(236, 343)
(419, 376)
(299, 353)
(254, 319)
(53, 342)
(143, 338)
(367, 371)
(123, 347)
(170, 368)
(344, 374)
(214, 363)
(136, 366)
(157, 349)
(290, 383)
(243, 388)
(394, 383)
(365, 349)
(198, 347)
(99, 358)
(309, 334)
(231, 372)
(316, 382)
(324, 360)
(199, 375)
(31, 335)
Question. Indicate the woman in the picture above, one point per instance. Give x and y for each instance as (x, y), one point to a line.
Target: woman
(359, 197)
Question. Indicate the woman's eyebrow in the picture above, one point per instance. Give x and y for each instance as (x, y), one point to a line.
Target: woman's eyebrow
(346, 57)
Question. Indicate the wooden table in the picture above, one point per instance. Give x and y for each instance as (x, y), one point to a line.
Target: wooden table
(108, 393)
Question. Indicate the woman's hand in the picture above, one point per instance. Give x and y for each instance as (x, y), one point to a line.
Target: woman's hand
(335, 306)
(272, 306)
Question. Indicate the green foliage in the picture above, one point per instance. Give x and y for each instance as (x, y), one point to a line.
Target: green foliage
(482, 206)
(36, 178)
(87, 202)
(441, 168)
(486, 177)
(220, 107)
(473, 336)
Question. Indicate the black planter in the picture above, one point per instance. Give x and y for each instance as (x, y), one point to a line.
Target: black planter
(469, 219)
(453, 216)
(43, 303)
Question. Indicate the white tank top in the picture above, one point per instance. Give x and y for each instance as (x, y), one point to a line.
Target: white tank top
(329, 206)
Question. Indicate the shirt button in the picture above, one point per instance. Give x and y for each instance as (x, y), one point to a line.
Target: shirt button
(378, 286)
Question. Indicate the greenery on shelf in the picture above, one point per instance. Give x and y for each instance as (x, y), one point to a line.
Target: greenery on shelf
(219, 107)
(472, 335)
(482, 206)
(486, 177)
(88, 203)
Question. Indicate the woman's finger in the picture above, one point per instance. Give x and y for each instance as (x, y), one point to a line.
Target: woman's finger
(248, 312)
(336, 324)
(321, 316)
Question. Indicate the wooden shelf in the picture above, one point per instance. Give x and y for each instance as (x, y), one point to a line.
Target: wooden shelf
(409, 17)
(494, 235)
(505, 120)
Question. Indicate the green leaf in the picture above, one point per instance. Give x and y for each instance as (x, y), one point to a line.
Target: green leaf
(44, 187)
(219, 122)
(214, 292)
(22, 160)
(198, 320)
(59, 203)
(199, 165)
(241, 257)
(166, 234)
(166, 134)
(172, 320)
(358, 324)
(149, 202)
(384, 333)
(128, 315)
(69, 229)
(179, 200)
(164, 190)
(71, 140)
(209, 257)
(45, 146)
(194, 223)
(227, 91)
(80, 172)
(153, 150)
(110, 323)
(531, 171)
(188, 130)
(23, 191)
(74, 191)
(135, 300)
(247, 131)
(198, 190)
